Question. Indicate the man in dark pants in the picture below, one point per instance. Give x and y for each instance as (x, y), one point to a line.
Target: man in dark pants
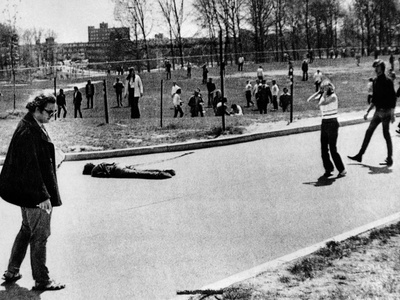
(384, 99)
(119, 87)
(77, 100)
(89, 94)
(210, 89)
(304, 68)
(133, 90)
(28, 179)
(264, 97)
(328, 104)
(61, 104)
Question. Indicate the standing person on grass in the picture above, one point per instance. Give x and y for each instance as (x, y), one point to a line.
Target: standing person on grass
(176, 99)
(317, 80)
(275, 93)
(89, 89)
(61, 104)
(328, 104)
(133, 90)
(384, 99)
(77, 100)
(28, 179)
(248, 90)
(119, 87)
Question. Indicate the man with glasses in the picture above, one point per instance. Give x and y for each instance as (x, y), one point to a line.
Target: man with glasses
(28, 179)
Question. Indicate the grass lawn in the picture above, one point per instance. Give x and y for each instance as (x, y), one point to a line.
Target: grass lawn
(123, 132)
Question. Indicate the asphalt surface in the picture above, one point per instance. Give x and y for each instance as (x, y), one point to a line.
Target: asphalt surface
(228, 209)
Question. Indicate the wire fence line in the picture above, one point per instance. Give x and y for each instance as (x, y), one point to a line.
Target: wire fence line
(84, 70)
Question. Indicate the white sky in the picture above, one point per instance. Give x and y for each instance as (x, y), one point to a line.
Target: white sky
(70, 18)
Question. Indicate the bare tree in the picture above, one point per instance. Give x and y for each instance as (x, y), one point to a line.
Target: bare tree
(174, 15)
(133, 14)
(260, 12)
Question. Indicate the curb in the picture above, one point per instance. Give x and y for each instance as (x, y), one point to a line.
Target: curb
(224, 141)
(276, 263)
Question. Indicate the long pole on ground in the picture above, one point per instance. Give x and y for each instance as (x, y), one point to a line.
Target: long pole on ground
(105, 99)
(161, 104)
(221, 67)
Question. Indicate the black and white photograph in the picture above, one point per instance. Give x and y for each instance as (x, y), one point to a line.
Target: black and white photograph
(199, 149)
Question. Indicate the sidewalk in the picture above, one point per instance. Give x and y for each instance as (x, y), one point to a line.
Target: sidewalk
(255, 132)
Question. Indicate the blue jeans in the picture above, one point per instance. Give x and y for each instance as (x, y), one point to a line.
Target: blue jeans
(384, 116)
(34, 231)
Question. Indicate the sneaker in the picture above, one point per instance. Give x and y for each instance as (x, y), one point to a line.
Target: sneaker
(357, 157)
(49, 285)
(11, 277)
(342, 174)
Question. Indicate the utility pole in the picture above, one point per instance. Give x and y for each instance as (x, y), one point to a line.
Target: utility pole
(291, 90)
(222, 67)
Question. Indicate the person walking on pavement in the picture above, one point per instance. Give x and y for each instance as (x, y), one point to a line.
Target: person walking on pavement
(384, 101)
(61, 104)
(317, 80)
(328, 104)
(133, 90)
(119, 87)
(89, 94)
(28, 180)
(77, 101)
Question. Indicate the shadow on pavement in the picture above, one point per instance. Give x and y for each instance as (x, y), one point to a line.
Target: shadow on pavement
(377, 170)
(14, 292)
(322, 181)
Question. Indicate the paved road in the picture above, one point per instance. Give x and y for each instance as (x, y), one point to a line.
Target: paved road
(228, 209)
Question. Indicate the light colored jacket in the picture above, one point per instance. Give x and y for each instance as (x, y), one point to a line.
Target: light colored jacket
(136, 84)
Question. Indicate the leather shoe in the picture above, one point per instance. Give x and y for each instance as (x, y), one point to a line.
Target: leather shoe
(357, 157)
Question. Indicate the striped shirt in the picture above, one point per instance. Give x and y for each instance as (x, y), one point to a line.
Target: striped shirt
(329, 106)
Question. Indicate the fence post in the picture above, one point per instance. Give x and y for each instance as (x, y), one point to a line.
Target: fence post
(222, 66)
(161, 104)
(105, 99)
(291, 90)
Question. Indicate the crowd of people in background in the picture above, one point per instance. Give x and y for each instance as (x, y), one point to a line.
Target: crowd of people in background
(260, 95)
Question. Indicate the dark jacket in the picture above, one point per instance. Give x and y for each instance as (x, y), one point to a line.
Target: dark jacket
(383, 93)
(29, 176)
(61, 100)
(78, 98)
(89, 89)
